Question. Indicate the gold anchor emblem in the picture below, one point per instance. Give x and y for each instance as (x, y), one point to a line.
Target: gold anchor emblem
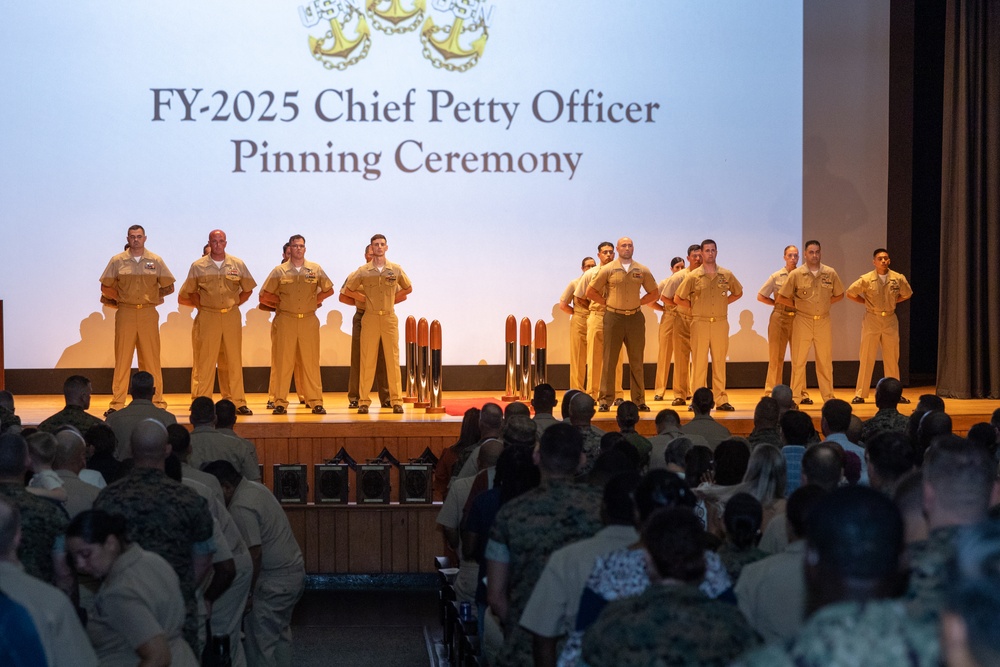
(395, 15)
(335, 50)
(449, 46)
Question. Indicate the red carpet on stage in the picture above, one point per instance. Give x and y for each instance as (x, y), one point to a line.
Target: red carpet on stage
(456, 407)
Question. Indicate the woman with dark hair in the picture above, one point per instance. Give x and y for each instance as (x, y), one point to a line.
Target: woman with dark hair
(453, 457)
(742, 519)
(671, 622)
(138, 612)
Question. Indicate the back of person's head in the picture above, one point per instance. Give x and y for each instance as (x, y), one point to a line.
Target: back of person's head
(13, 455)
(836, 416)
(6, 400)
(618, 506)
(782, 393)
(70, 450)
(909, 498)
(994, 418)
(581, 408)
(796, 427)
(76, 389)
(932, 425)
(142, 386)
(202, 411)
(610, 440)
(560, 450)
(985, 434)
(800, 505)
(543, 398)
(225, 414)
(567, 397)
(149, 443)
(95, 526)
(519, 430)
(42, 448)
(888, 391)
(179, 439)
(516, 409)
(766, 475)
(469, 435)
(890, 456)
(490, 420)
(612, 463)
(224, 471)
(627, 416)
(676, 451)
(855, 429)
(823, 465)
(516, 472)
(659, 489)
(961, 475)
(667, 420)
(765, 415)
(674, 539)
(743, 517)
(489, 452)
(102, 438)
(929, 402)
(10, 523)
(697, 462)
(702, 401)
(972, 599)
(731, 459)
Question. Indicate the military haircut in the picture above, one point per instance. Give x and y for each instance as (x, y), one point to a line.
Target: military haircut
(13, 449)
(179, 439)
(974, 589)
(837, 414)
(224, 471)
(674, 538)
(142, 385)
(202, 410)
(823, 465)
(75, 386)
(225, 414)
(544, 396)
(796, 427)
(962, 475)
(560, 449)
(665, 418)
(855, 531)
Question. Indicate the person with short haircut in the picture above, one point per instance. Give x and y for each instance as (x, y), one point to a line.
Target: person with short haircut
(668, 428)
(136, 281)
(581, 414)
(278, 569)
(879, 291)
(543, 401)
(208, 444)
(76, 391)
(797, 431)
(8, 420)
(490, 428)
(354, 378)
(63, 640)
(577, 328)
(44, 482)
(380, 284)
(909, 499)
(822, 466)
(682, 327)
(69, 460)
(143, 390)
(972, 605)
(225, 423)
(853, 543)
(811, 290)
(676, 453)
(779, 325)
(702, 423)
(835, 424)
(889, 456)
(627, 416)
(296, 289)
(672, 622)
(665, 333)
(179, 439)
(888, 393)
(528, 529)
(595, 326)
(101, 444)
(708, 291)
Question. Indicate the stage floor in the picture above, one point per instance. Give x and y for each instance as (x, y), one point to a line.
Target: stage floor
(34, 408)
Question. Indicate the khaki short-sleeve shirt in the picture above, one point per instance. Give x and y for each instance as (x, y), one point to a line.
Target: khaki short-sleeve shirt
(138, 282)
(812, 295)
(623, 287)
(297, 289)
(708, 294)
(219, 287)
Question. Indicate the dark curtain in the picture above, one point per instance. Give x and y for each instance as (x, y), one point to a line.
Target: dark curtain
(969, 326)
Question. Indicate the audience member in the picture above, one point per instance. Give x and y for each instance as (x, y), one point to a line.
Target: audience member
(835, 425)
(766, 481)
(699, 465)
(44, 482)
(782, 393)
(702, 423)
(741, 518)
(731, 459)
(797, 431)
(668, 428)
(765, 422)
(179, 439)
(888, 393)
(932, 425)
(124, 420)
(490, 428)
(627, 417)
(543, 401)
(909, 499)
(101, 445)
(447, 466)
(208, 444)
(8, 420)
(582, 409)
(675, 455)
(889, 457)
(68, 462)
(76, 392)
(969, 635)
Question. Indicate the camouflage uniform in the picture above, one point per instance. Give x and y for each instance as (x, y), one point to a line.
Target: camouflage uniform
(734, 559)
(8, 419)
(886, 419)
(43, 524)
(667, 625)
(72, 415)
(169, 519)
(770, 436)
(642, 445)
(929, 574)
(874, 634)
(531, 527)
(591, 447)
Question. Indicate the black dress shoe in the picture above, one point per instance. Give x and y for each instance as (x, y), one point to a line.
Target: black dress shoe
(618, 402)
(643, 407)
(657, 398)
(363, 410)
(857, 400)
(386, 404)
(319, 410)
(244, 410)
(352, 405)
(726, 407)
(904, 400)
(397, 409)
(278, 410)
(270, 405)
(806, 401)
(677, 402)
(603, 407)
(110, 411)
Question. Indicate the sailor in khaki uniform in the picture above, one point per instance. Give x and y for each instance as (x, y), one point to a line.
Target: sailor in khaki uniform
(878, 291)
(136, 280)
(217, 285)
(709, 290)
(380, 284)
(665, 333)
(354, 378)
(779, 326)
(811, 290)
(682, 328)
(624, 321)
(295, 289)
(595, 327)
(577, 329)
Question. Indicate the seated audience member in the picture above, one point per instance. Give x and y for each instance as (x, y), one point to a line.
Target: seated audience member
(969, 636)
(675, 456)
(581, 414)
(771, 592)
(624, 573)
(888, 393)
(909, 499)
(835, 425)
(782, 393)
(985, 434)
(543, 401)
(564, 408)
(550, 613)
(668, 429)
(627, 417)
(44, 483)
(613, 441)
(490, 428)
(853, 540)
(797, 431)
(731, 459)
(516, 409)
(209, 444)
(138, 613)
(671, 622)
(448, 464)
(742, 518)
(698, 465)
(51, 615)
(765, 423)
(765, 480)
(612, 463)
(76, 392)
(702, 423)
(69, 461)
(889, 456)
(932, 425)
(959, 482)
(8, 420)
(101, 444)
(122, 421)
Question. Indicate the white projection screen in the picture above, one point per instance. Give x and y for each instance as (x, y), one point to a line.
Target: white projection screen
(494, 142)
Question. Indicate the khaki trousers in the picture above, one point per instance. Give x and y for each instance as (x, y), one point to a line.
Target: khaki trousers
(297, 338)
(807, 332)
(629, 330)
(379, 329)
(682, 356)
(779, 335)
(354, 379)
(136, 330)
(578, 350)
(665, 336)
(877, 330)
(595, 357)
(710, 337)
(211, 333)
